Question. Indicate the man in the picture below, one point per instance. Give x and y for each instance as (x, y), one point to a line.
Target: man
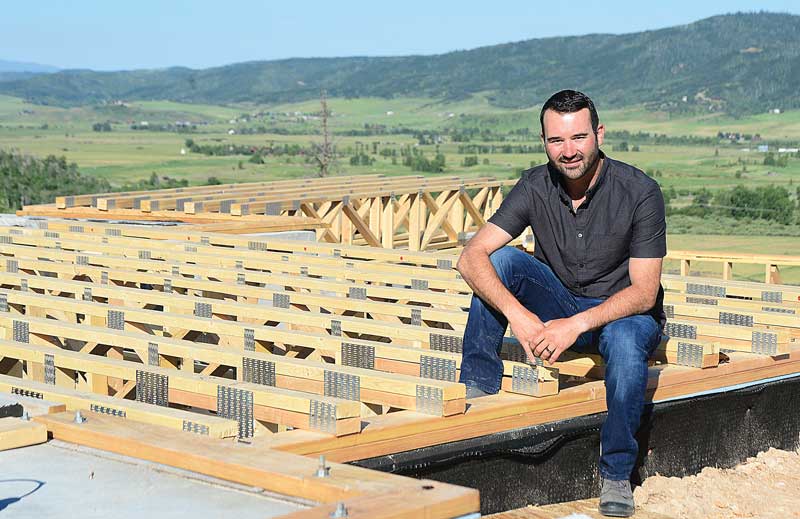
(593, 281)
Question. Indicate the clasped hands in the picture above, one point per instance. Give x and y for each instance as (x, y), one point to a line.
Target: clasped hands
(546, 340)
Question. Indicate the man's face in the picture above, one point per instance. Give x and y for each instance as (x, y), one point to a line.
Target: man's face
(572, 147)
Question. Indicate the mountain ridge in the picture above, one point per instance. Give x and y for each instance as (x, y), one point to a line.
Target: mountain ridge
(738, 63)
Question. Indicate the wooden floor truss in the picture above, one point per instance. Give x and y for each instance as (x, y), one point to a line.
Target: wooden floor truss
(315, 348)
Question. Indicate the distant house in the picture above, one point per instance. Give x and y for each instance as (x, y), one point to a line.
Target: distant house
(231, 131)
(763, 148)
(776, 110)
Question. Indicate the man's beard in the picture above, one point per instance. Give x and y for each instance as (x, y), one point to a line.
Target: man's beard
(587, 162)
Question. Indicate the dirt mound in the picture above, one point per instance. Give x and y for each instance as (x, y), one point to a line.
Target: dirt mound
(765, 487)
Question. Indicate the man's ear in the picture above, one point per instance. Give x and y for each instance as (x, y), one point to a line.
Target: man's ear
(601, 133)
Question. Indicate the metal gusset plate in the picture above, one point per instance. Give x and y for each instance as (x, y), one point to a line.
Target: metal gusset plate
(690, 354)
(76, 228)
(188, 247)
(202, 310)
(437, 368)
(702, 301)
(152, 388)
(357, 293)
(49, 369)
(116, 320)
(8, 240)
(525, 380)
(113, 232)
(87, 294)
(225, 206)
(81, 260)
(778, 310)
(444, 264)
(249, 339)
(240, 280)
(193, 427)
(3, 302)
(167, 286)
(104, 277)
(322, 416)
(358, 355)
(257, 245)
(180, 204)
(764, 343)
(110, 411)
(430, 400)
(705, 290)
(152, 354)
(683, 331)
(419, 284)
(258, 371)
(342, 385)
(416, 317)
(449, 343)
(236, 404)
(41, 224)
(20, 331)
(281, 300)
(12, 266)
(145, 255)
(273, 208)
(21, 391)
(772, 296)
(336, 328)
(51, 234)
(669, 311)
(736, 319)
(23, 285)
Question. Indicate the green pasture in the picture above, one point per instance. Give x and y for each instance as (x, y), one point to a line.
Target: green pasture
(126, 155)
(773, 245)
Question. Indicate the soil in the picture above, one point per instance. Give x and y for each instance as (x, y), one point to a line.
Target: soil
(764, 487)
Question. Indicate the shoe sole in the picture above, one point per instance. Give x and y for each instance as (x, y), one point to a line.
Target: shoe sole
(616, 513)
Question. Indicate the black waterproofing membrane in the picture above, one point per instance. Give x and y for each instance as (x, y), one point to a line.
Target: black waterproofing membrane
(557, 462)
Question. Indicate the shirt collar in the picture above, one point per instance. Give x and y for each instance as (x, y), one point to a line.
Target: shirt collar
(555, 176)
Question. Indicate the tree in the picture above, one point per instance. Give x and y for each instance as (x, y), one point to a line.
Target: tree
(323, 154)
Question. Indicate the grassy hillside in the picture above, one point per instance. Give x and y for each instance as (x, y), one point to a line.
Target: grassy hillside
(742, 63)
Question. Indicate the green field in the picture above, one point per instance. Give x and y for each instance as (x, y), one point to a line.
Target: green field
(127, 155)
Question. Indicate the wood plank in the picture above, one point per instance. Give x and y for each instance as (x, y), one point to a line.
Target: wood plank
(17, 432)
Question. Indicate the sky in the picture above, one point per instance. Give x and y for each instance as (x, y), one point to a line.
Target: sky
(117, 35)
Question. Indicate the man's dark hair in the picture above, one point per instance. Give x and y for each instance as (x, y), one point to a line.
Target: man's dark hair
(568, 102)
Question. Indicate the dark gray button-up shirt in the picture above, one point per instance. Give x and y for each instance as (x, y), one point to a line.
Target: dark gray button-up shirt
(588, 249)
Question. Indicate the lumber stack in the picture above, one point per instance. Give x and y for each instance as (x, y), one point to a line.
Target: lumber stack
(308, 335)
(415, 212)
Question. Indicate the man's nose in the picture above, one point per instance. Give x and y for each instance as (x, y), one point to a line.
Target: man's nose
(568, 149)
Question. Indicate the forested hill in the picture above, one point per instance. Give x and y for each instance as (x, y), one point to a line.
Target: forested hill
(740, 63)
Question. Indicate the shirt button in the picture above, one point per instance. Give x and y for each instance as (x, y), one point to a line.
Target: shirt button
(580, 235)
(581, 265)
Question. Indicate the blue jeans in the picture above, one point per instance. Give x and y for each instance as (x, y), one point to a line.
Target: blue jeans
(624, 344)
